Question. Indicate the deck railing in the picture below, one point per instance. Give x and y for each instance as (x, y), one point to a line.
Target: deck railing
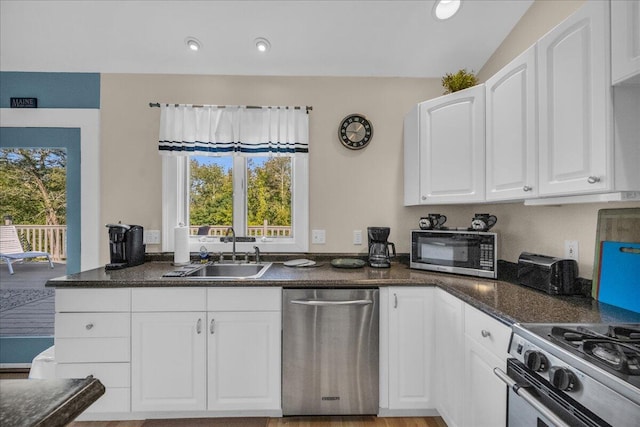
(45, 238)
(264, 230)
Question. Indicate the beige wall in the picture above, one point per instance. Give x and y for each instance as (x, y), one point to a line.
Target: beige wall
(349, 190)
(541, 17)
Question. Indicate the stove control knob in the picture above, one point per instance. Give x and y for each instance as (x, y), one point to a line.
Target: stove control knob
(536, 361)
(562, 378)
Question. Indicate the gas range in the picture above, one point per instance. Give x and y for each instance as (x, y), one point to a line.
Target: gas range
(595, 367)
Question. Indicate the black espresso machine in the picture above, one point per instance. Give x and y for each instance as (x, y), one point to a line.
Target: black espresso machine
(125, 246)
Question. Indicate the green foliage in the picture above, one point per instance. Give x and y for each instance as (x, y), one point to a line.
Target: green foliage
(33, 185)
(458, 81)
(211, 195)
(268, 194)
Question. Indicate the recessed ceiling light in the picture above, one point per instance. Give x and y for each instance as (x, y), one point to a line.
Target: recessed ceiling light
(445, 9)
(262, 44)
(193, 43)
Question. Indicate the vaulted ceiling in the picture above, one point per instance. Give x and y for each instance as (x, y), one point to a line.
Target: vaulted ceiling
(308, 38)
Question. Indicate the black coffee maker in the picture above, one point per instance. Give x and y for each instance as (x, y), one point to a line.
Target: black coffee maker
(125, 246)
(379, 256)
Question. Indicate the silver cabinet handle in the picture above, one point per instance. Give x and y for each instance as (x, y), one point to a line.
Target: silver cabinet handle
(395, 300)
(211, 326)
(485, 333)
(89, 326)
(527, 188)
(199, 326)
(324, 303)
(528, 397)
(593, 179)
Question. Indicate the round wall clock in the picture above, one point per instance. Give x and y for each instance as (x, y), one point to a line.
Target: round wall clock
(355, 131)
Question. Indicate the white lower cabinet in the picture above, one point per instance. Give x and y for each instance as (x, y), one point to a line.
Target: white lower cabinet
(411, 350)
(244, 360)
(92, 337)
(168, 361)
(449, 361)
(486, 344)
(197, 360)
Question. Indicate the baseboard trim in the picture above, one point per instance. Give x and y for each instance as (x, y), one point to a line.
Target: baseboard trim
(386, 412)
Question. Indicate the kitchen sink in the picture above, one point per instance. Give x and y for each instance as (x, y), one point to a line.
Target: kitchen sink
(228, 271)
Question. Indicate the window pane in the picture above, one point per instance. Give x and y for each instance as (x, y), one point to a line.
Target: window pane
(269, 197)
(210, 195)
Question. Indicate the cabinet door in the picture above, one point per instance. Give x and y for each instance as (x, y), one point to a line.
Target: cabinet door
(410, 348)
(168, 361)
(574, 98)
(452, 154)
(511, 130)
(625, 41)
(449, 358)
(485, 395)
(244, 360)
(411, 137)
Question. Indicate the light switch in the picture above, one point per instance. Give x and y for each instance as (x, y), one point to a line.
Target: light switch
(357, 237)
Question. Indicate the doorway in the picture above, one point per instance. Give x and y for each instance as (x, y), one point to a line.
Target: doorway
(27, 310)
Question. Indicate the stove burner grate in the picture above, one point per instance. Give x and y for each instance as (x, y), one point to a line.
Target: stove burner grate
(618, 349)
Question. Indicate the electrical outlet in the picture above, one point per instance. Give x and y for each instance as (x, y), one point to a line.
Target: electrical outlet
(571, 249)
(318, 237)
(357, 237)
(151, 237)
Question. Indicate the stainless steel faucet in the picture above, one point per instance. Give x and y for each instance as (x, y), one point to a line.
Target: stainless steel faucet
(257, 249)
(233, 233)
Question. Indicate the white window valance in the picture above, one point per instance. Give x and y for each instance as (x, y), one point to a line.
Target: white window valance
(237, 130)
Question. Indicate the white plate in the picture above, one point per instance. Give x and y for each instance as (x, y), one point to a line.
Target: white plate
(299, 263)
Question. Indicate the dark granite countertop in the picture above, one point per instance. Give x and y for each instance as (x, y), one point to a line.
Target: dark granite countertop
(507, 302)
(46, 403)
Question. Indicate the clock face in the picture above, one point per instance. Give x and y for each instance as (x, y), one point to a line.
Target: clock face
(355, 131)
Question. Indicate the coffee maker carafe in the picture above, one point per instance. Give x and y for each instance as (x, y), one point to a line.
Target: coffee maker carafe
(379, 256)
(125, 246)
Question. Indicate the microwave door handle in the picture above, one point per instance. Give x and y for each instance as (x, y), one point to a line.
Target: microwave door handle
(529, 398)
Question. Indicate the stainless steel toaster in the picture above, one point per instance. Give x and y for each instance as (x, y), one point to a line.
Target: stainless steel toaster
(555, 276)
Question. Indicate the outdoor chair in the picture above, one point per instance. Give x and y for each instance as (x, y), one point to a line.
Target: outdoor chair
(11, 248)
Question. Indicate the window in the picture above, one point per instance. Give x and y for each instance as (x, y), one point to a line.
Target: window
(235, 166)
(261, 197)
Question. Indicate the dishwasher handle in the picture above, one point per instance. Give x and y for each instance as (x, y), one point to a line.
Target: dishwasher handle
(529, 398)
(321, 303)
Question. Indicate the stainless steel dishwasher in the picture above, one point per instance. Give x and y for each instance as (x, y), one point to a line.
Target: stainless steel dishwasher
(330, 351)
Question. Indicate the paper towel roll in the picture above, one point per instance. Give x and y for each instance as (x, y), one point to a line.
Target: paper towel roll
(181, 245)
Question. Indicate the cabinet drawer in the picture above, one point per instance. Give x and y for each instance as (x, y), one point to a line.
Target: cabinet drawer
(113, 400)
(244, 299)
(109, 374)
(486, 331)
(92, 325)
(168, 299)
(87, 350)
(87, 300)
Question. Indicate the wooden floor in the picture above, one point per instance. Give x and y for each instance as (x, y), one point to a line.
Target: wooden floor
(278, 422)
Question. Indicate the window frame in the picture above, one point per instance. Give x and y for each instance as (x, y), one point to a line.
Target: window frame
(175, 208)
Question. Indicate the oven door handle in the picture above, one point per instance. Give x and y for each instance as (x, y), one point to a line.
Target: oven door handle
(529, 398)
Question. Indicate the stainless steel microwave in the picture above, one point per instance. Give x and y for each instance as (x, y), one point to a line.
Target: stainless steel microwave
(472, 253)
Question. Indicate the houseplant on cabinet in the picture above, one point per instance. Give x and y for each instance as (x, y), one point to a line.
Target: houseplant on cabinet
(461, 80)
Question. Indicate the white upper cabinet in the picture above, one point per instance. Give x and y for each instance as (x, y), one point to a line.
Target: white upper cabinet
(574, 96)
(511, 138)
(625, 41)
(446, 158)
